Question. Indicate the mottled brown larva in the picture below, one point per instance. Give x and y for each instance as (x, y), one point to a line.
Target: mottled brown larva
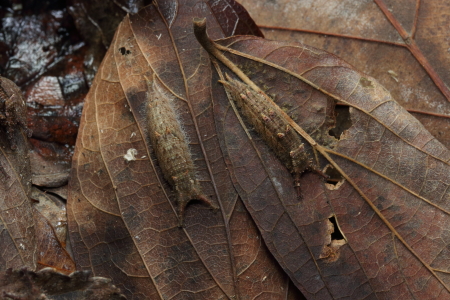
(171, 147)
(261, 112)
(272, 127)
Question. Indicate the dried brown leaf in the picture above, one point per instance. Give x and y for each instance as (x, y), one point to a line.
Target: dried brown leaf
(389, 202)
(17, 237)
(122, 208)
(403, 44)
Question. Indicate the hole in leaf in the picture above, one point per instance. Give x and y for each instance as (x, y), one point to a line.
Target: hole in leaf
(337, 234)
(335, 179)
(343, 121)
(124, 51)
(365, 82)
(333, 241)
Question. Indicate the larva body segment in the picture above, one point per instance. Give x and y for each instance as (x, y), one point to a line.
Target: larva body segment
(272, 127)
(171, 147)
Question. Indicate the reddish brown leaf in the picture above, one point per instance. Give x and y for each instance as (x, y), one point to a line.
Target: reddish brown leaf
(51, 252)
(389, 202)
(334, 258)
(51, 232)
(122, 207)
(403, 44)
(54, 210)
(17, 238)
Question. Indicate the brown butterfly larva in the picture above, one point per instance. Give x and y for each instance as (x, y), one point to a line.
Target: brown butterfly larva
(261, 112)
(171, 147)
(272, 127)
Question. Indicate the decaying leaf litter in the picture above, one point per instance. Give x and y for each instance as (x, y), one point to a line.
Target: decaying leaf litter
(139, 243)
(357, 171)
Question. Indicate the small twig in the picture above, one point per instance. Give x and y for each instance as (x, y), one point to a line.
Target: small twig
(416, 111)
(416, 18)
(333, 35)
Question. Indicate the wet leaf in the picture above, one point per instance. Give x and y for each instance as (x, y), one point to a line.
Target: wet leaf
(377, 227)
(122, 208)
(41, 51)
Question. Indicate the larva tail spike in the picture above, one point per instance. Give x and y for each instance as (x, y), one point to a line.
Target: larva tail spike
(183, 201)
(297, 186)
(225, 83)
(228, 82)
(228, 77)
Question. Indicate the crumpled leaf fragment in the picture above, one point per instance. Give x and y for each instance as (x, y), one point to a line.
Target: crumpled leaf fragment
(49, 284)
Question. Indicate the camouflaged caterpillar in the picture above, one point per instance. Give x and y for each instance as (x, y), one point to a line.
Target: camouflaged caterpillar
(272, 127)
(171, 147)
(261, 112)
